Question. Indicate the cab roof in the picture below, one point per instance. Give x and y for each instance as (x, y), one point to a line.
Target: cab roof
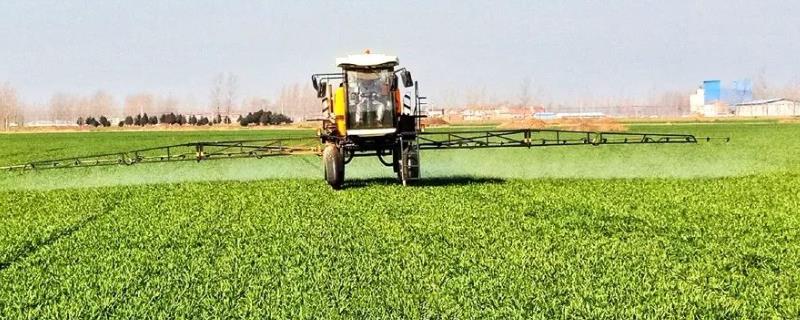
(367, 60)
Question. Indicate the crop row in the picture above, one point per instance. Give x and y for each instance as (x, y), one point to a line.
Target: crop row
(457, 248)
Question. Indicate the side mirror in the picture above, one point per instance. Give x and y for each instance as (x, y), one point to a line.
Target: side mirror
(314, 83)
(407, 81)
(321, 89)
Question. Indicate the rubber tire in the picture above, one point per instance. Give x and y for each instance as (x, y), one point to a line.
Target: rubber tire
(333, 165)
(411, 161)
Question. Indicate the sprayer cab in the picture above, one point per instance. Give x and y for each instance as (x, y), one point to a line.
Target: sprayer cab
(364, 99)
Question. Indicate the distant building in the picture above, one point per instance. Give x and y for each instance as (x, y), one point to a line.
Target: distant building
(714, 97)
(712, 91)
(697, 101)
(435, 113)
(567, 115)
(49, 123)
(473, 115)
(620, 110)
(505, 113)
(768, 108)
(544, 115)
(562, 115)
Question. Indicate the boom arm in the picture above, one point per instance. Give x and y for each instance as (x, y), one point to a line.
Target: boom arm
(182, 152)
(436, 140)
(540, 138)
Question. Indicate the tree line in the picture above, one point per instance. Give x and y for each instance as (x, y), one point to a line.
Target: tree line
(292, 100)
(263, 118)
(259, 117)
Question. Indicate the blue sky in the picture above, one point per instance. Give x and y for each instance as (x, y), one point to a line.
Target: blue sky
(568, 48)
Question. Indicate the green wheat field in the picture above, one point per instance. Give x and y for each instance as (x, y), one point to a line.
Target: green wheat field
(710, 230)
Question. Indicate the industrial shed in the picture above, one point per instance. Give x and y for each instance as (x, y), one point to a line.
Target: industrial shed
(768, 108)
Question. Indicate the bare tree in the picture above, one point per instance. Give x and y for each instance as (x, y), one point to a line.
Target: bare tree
(672, 103)
(284, 98)
(231, 85)
(164, 105)
(476, 97)
(101, 104)
(793, 90)
(18, 115)
(223, 93)
(308, 100)
(525, 92)
(188, 104)
(32, 111)
(448, 99)
(253, 104)
(139, 104)
(9, 105)
(217, 93)
(66, 107)
(296, 102)
(761, 88)
(790, 90)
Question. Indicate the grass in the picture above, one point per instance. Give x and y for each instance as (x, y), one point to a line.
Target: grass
(710, 230)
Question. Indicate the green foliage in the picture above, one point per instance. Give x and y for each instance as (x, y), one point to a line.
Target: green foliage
(91, 121)
(203, 121)
(717, 248)
(264, 118)
(678, 231)
(104, 121)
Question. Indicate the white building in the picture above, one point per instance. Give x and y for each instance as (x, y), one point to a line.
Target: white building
(435, 113)
(768, 108)
(699, 105)
(581, 115)
(49, 123)
(697, 101)
(544, 115)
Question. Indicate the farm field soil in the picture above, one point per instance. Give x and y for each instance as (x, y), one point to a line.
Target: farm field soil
(709, 230)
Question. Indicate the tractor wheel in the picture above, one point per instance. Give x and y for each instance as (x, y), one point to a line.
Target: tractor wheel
(409, 165)
(333, 163)
(413, 165)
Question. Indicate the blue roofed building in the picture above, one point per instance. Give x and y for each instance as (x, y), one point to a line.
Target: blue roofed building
(715, 98)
